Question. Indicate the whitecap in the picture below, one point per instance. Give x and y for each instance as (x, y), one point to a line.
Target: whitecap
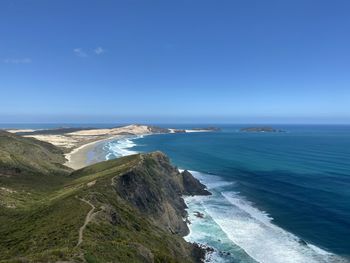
(210, 181)
(120, 147)
(252, 229)
(248, 231)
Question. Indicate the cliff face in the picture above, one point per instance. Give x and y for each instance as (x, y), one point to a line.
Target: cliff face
(124, 210)
(192, 186)
(155, 187)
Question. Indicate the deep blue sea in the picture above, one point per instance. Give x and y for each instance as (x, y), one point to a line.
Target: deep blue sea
(277, 197)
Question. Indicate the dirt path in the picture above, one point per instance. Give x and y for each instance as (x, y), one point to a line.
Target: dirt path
(88, 218)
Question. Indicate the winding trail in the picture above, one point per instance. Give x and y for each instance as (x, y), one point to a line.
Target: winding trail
(88, 218)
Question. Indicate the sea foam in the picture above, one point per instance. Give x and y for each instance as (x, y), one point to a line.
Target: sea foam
(120, 147)
(252, 229)
(233, 225)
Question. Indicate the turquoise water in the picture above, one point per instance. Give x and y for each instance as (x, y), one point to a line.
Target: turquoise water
(277, 197)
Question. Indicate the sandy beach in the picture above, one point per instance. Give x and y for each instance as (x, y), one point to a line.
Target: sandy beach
(78, 158)
(87, 154)
(82, 145)
(71, 141)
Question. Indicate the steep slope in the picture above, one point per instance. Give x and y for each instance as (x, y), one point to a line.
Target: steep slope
(154, 188)
(28, 155)
(124, 210)
(29, 170)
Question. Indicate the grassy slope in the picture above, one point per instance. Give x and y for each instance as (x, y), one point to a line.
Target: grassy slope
(28, 155)
(43, 223)
(29, 169)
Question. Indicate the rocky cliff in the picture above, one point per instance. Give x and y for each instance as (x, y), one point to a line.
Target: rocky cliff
(155, 188)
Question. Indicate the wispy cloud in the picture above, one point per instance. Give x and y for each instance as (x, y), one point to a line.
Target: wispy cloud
(80, 52)
(99, 50)
(17, 60)
(83, 54)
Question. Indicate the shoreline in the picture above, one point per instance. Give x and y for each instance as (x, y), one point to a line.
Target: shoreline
(78, 158)
(70, 138)
(225, 246)
(207, 224)
(80, 142)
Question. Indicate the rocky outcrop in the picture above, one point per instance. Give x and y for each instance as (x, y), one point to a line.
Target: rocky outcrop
(192, 186)
(260, 129)
(155, 188)
(207, 129)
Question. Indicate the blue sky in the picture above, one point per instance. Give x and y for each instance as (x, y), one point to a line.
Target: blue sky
(175, 61)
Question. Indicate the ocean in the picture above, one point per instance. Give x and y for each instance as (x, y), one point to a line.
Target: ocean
(277, 197)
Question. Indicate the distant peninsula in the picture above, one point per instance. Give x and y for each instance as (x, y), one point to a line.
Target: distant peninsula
(70, 138)
(260, 129)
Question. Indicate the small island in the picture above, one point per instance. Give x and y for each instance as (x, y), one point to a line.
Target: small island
(207, 129)
(260, 129)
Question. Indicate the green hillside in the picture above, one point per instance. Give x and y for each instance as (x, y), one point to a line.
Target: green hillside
(124, 210)
(28, 155)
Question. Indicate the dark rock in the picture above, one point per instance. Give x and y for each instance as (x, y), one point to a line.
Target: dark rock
(207, 129)
(302, 242)
(179, 131)
(260, 129)
(115, 219)
(192, 186)
(199, 214)
(155, 188)
(200, 251)
(155, 129)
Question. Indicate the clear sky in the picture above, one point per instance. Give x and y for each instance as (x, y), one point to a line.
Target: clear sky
(175, 61)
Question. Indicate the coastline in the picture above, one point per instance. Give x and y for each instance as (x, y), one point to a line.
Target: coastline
(79, 157)
(222, 221)
(80, 142)
(213, 228)
(92, 152)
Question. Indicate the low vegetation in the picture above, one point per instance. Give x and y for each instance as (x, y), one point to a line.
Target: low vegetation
(137, 215)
